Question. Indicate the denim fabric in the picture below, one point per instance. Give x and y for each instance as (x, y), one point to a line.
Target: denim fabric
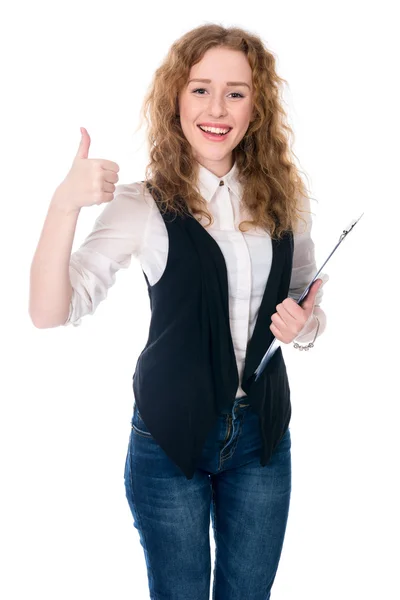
(248, 505)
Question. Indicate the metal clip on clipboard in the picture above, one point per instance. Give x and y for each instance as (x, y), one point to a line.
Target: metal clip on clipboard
(275, 343)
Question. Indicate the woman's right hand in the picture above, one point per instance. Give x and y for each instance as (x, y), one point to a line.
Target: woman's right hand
(90, 180)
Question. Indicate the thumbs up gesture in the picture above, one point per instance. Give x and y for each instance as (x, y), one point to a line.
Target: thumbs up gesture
(89, 181)
(291, 317)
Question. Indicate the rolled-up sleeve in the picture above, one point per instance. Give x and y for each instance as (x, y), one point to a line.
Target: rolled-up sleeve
(117, 235)
(304, 269)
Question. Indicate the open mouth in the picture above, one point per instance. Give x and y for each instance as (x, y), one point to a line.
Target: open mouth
(215, 132)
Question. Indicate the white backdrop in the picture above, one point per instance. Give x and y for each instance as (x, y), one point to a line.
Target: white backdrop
(66, 396)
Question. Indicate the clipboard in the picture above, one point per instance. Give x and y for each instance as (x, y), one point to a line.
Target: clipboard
(275, 343)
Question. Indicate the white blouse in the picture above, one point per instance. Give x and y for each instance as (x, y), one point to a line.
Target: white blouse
(131, 225)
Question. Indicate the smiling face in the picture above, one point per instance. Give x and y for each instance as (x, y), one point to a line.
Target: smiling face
(222, 103)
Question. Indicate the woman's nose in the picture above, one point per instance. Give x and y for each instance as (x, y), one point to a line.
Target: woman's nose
(216, 107)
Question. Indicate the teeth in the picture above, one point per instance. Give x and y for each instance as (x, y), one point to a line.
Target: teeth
(213, 129)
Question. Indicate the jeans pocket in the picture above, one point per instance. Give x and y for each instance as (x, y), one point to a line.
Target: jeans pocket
(138, 425)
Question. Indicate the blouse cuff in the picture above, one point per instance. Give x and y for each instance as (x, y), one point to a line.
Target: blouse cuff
(308, 332)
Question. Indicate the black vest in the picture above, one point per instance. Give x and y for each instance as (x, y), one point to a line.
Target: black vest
(187, 372)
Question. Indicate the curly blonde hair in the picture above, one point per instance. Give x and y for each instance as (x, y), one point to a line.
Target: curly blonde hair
(272, 186)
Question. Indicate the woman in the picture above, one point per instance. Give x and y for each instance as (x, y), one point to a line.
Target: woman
(215, 227)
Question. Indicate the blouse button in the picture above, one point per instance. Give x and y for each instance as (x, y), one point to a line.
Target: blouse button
(221, 182)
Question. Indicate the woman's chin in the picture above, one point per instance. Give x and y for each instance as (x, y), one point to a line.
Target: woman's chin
(214, 154)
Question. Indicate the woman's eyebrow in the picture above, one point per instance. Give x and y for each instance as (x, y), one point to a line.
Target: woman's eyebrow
(229, 83)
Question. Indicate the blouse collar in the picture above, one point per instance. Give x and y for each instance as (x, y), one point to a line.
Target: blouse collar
(209, 183)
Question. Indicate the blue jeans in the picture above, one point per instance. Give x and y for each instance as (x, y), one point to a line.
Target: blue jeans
(248, 505)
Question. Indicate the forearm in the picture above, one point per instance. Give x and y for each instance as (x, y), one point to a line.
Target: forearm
(50, 286)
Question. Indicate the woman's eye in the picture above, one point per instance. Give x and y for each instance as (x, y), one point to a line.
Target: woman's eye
(237, 94)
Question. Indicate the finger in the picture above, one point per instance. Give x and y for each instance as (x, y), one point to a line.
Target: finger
(278, 321)
(281, 336)
(287, 318)
(108, 165)
(294, 325)
(84, 144)
(108, 187)
(309, 301)
(276, 331)
(294, 309)
(111, 176)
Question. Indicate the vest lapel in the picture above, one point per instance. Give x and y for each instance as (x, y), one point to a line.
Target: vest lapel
(216, 303)
(262, 335)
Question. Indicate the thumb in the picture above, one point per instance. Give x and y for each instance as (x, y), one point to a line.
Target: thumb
(83, 150)
(309, 300)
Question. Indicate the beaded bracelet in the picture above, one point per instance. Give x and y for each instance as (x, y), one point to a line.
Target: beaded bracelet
(310, 344)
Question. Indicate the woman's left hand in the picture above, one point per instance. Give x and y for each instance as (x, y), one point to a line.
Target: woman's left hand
(291, 317)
